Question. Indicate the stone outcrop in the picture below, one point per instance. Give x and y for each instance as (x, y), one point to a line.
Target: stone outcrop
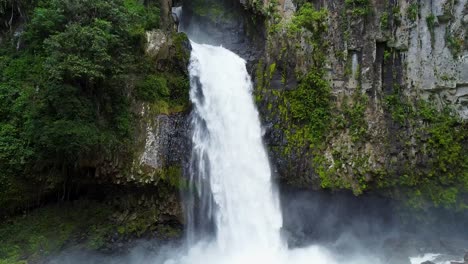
(162, 142)
(465, 260)
(151, 175)
(226, 23)
(370, 54)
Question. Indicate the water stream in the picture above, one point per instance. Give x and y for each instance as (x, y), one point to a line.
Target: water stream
(230, 172)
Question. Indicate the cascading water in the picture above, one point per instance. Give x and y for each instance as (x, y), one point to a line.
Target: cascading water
(230, 172)
(227, 138)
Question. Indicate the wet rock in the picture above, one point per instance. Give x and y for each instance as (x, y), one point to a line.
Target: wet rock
(225, 23)
(167, 141)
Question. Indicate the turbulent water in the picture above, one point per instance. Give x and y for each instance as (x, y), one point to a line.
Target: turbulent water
(230, 172)
(227, 139)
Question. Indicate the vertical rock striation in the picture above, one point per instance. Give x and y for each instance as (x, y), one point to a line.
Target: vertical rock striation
(392, 111)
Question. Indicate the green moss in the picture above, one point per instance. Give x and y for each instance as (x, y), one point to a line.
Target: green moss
(310, 106)
(347, 170)
(358, 8)
(446, 77)
(354, 112)
(439, 136)
(181, 42)
(272, 70)
(348, 71)
(445, 139)
(396, 104)
(455, 44)
(213, 10)
(396, 16)
(333, 137)
(208, 8)
(33, 237)
(167, 93)
(384, 22)
(309, 18)
(47, 230)
(173, 176)
(413, 11)
(430, 21)
(387, 55)
(267, 9)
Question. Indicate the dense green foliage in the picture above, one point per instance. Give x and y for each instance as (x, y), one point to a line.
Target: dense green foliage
(309, 18)
(310, 107)
(67, 89)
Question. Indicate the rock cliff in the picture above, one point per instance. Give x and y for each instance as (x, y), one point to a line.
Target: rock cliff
(367, 95)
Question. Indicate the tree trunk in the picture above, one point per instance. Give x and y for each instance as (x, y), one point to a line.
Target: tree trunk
(166, 14)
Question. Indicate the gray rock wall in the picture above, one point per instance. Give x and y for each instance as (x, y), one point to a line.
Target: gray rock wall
(415, 49)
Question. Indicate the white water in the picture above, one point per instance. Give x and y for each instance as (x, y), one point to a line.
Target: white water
(230, 171)
(247, 210)
(435, 258)
(228, 133)
(231, 186)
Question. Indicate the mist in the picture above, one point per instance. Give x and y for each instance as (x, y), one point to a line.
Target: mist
(339, 226)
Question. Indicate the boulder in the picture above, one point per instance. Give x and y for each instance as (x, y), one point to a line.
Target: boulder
(155, 39)
(465, 260)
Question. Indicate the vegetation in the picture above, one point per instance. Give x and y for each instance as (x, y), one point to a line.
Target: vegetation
(384, 22)
(310, 107)
(430, 21)
(90, 224)
(309, 18)
(358, 8)
(440, 175)
(455, 44)
(309, 104)
(47, 230)
(354, 112)
(268, 10)
(413, 11)
(330, 134)
(67, 88)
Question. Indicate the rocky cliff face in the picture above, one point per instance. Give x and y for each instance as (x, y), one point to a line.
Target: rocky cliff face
(162, 143)
(367, 95)
(362, 95)
(151, 177)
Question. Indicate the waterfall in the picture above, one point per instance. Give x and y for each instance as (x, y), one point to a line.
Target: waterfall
(230, 178)
(227, 139)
